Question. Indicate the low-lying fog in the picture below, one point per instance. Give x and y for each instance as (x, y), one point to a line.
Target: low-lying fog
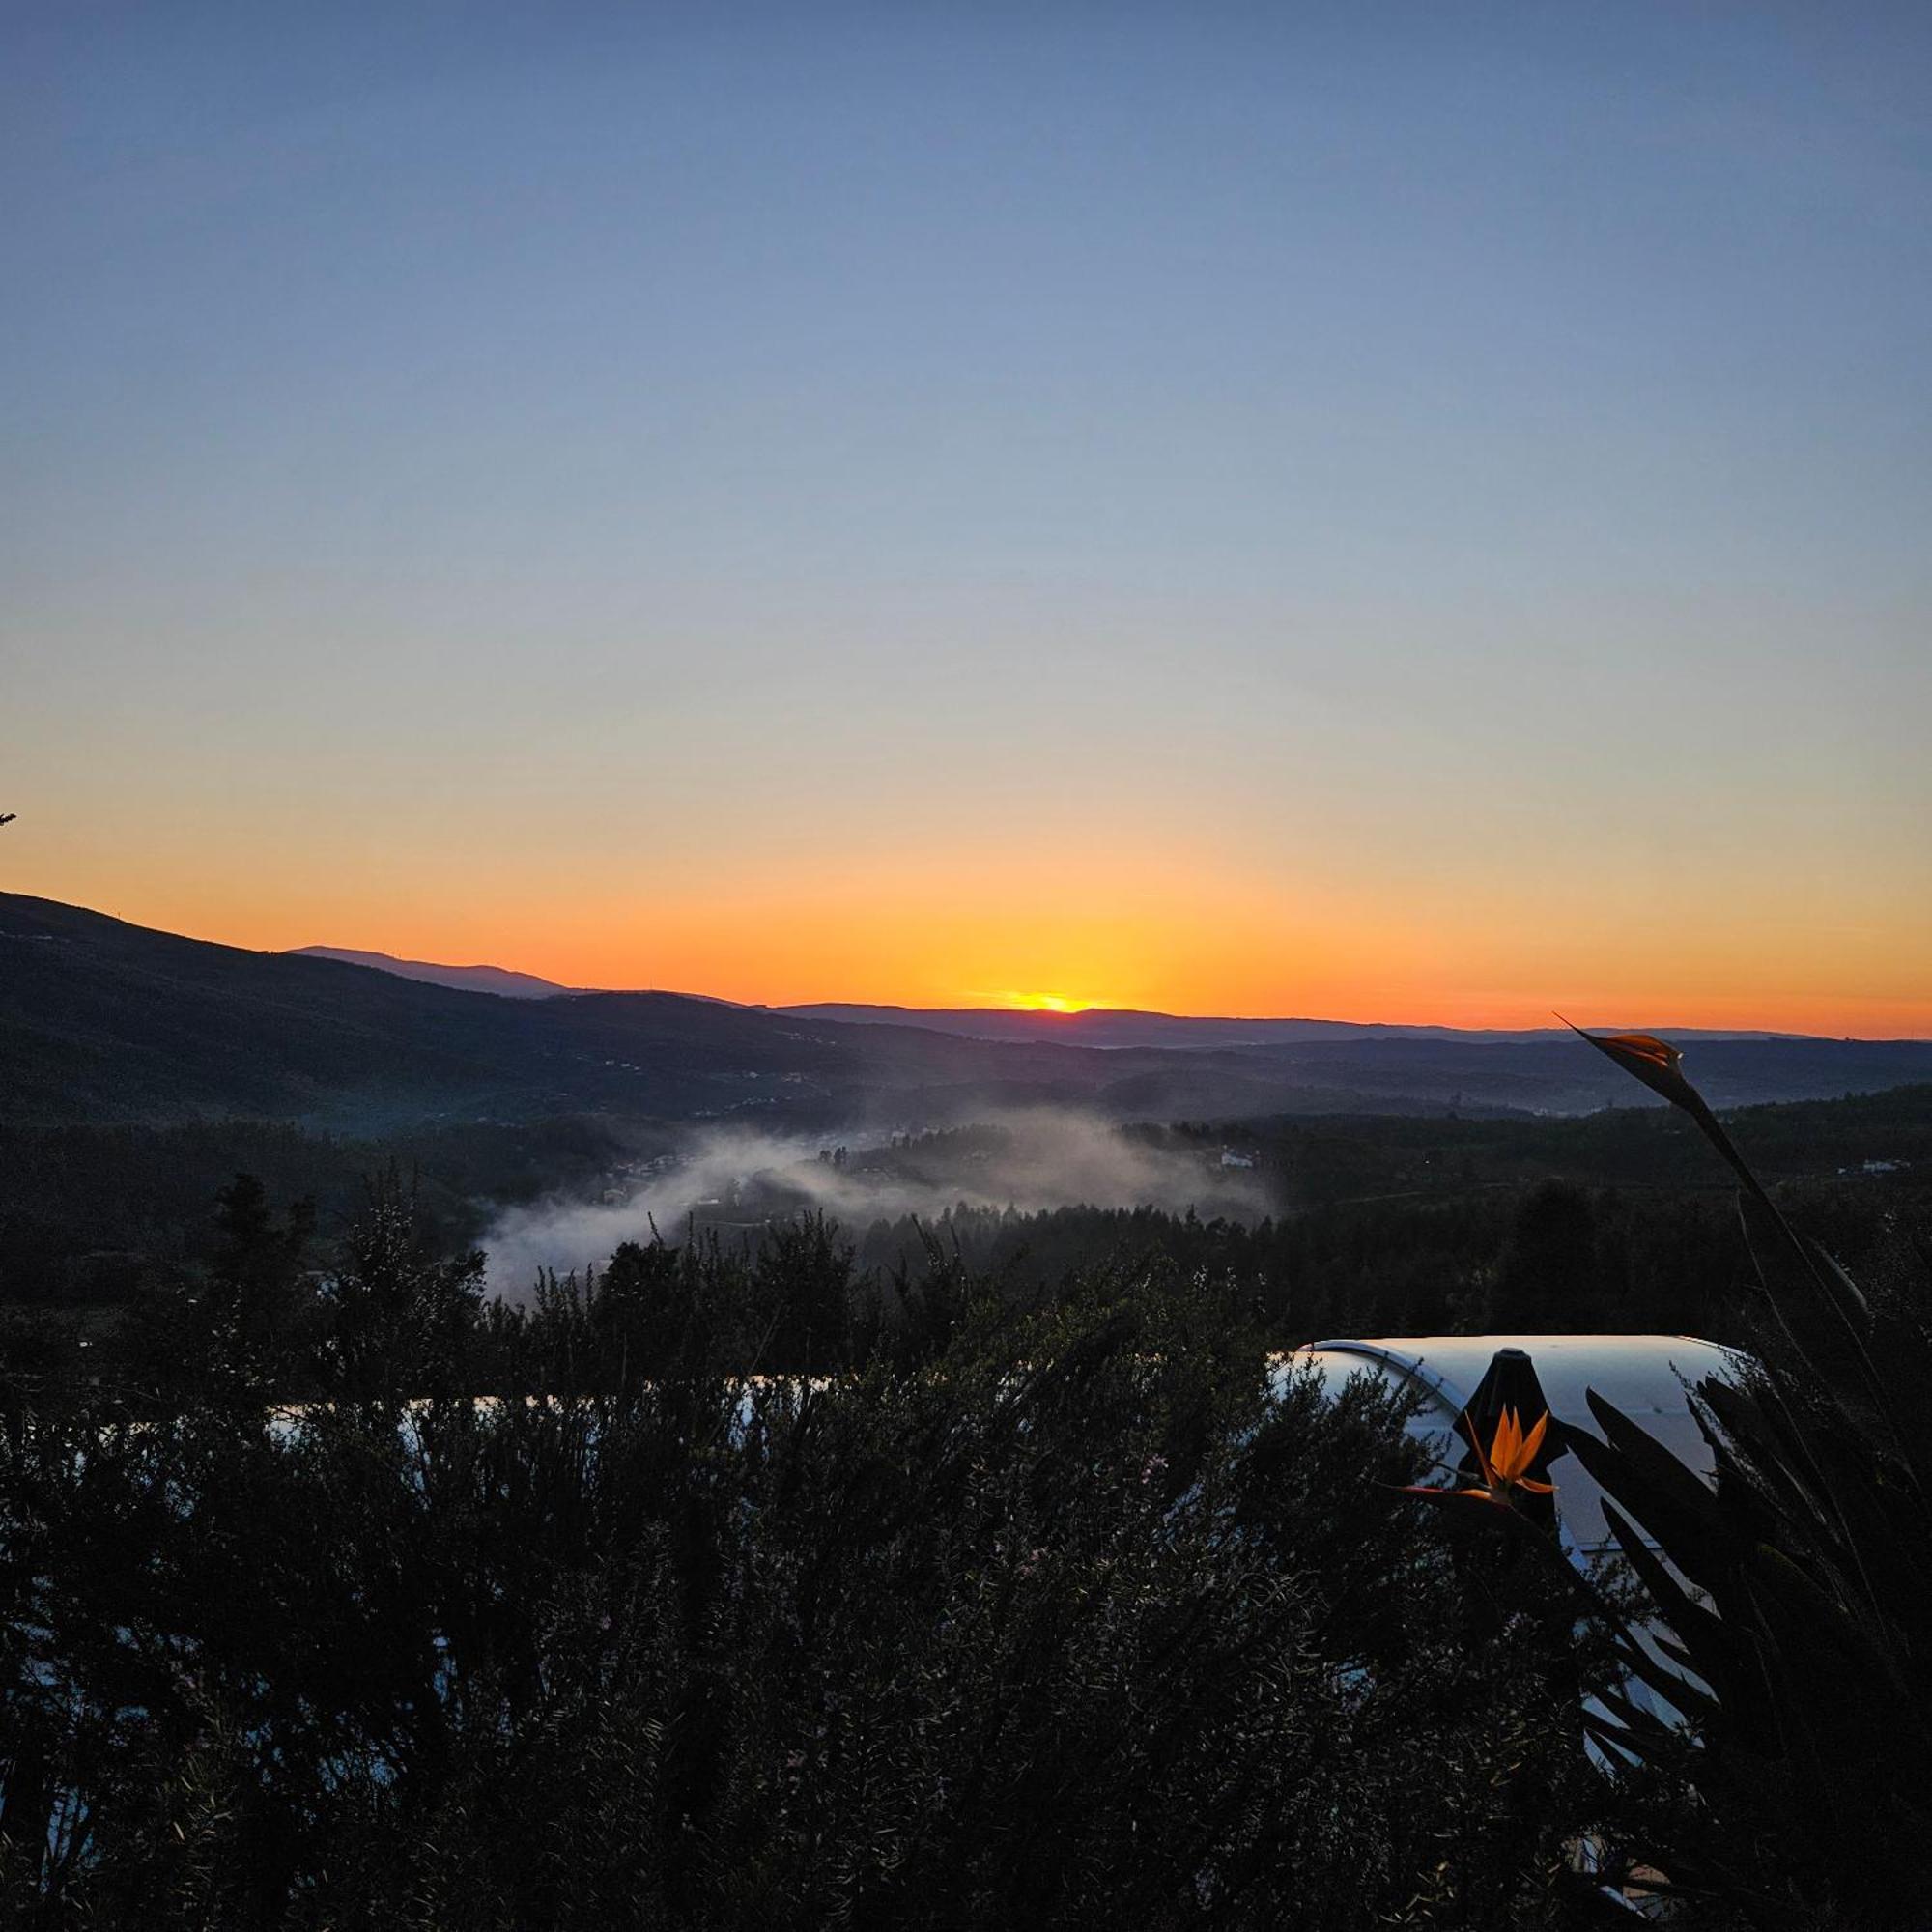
(736, 1178)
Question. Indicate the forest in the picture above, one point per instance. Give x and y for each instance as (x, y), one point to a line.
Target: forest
(978, 1571)
(929, 1644)
(1370, 1225)
(990, 1579)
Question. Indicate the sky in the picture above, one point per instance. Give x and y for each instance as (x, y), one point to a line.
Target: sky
(1416, 513)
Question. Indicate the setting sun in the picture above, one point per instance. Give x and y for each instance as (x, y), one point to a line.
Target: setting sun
(1049, 1003)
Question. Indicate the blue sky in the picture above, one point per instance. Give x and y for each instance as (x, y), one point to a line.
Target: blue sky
(1381, 458)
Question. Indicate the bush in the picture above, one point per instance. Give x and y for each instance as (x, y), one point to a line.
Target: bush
(1067, 1619)
(1796, 1594)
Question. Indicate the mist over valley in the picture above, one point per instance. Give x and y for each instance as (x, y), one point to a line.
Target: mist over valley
(737, 1181)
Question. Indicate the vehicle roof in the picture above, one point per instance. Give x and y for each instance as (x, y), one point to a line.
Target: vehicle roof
(1644, 1375)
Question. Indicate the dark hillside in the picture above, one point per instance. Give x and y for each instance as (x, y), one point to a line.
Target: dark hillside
(1550, 1076)
(105, 1021)
(102, 1020)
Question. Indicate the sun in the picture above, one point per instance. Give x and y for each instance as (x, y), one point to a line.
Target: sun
(1048, 1003)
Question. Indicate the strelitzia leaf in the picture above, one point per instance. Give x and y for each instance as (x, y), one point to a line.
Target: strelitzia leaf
(1706, 1636)
(1675, 1506)
(1639, 1733)
(1827, 1325)
(1819, 1306)
(1676, 1690)
(1828, 1624)
(1758, 1434)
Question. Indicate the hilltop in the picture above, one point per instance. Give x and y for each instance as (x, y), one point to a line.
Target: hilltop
(102, 1020)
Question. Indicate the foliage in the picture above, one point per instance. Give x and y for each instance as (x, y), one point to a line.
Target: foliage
(1385, 1226)
(1796, 1594)
(1047, 1619)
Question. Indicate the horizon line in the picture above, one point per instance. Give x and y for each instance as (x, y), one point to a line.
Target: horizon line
(1021, 1004)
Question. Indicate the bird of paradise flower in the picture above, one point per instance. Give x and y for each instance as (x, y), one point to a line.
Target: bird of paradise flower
(1505, 1466)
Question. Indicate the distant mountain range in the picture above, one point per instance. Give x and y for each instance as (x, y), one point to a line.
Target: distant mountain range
(1115, 1027)
(1095, 1026)
(499, 979)
(100, 1020)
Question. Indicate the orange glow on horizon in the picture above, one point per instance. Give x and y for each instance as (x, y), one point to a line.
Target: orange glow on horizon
(1051, 1003)
(932, 519)
(1148, 927)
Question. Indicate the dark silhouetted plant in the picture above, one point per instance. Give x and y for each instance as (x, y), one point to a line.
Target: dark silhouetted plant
(1796, 1594)
(1075, 1619)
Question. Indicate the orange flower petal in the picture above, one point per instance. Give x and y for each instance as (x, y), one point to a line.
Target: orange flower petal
(1646, 1047)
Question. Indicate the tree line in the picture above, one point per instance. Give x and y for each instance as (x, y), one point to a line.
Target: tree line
(1047, 1616)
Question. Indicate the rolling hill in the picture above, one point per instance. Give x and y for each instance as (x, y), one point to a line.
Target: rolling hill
(100, 1020)
(499, 979)
(1115, 1027)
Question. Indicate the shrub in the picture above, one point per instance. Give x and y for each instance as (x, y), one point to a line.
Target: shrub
(1074, 1619)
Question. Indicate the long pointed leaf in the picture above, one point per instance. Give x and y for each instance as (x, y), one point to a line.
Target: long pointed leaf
(1707, 1638)
(1677, 1510)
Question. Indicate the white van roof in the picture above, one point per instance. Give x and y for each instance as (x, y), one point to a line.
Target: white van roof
(1645, 1376)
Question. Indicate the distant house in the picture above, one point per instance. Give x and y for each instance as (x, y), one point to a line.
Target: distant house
(1230, 1159)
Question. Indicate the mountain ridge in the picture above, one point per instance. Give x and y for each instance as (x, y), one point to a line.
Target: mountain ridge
(1086, 1026)
(1110, 1027)
(502, 980)
(102, 1020)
